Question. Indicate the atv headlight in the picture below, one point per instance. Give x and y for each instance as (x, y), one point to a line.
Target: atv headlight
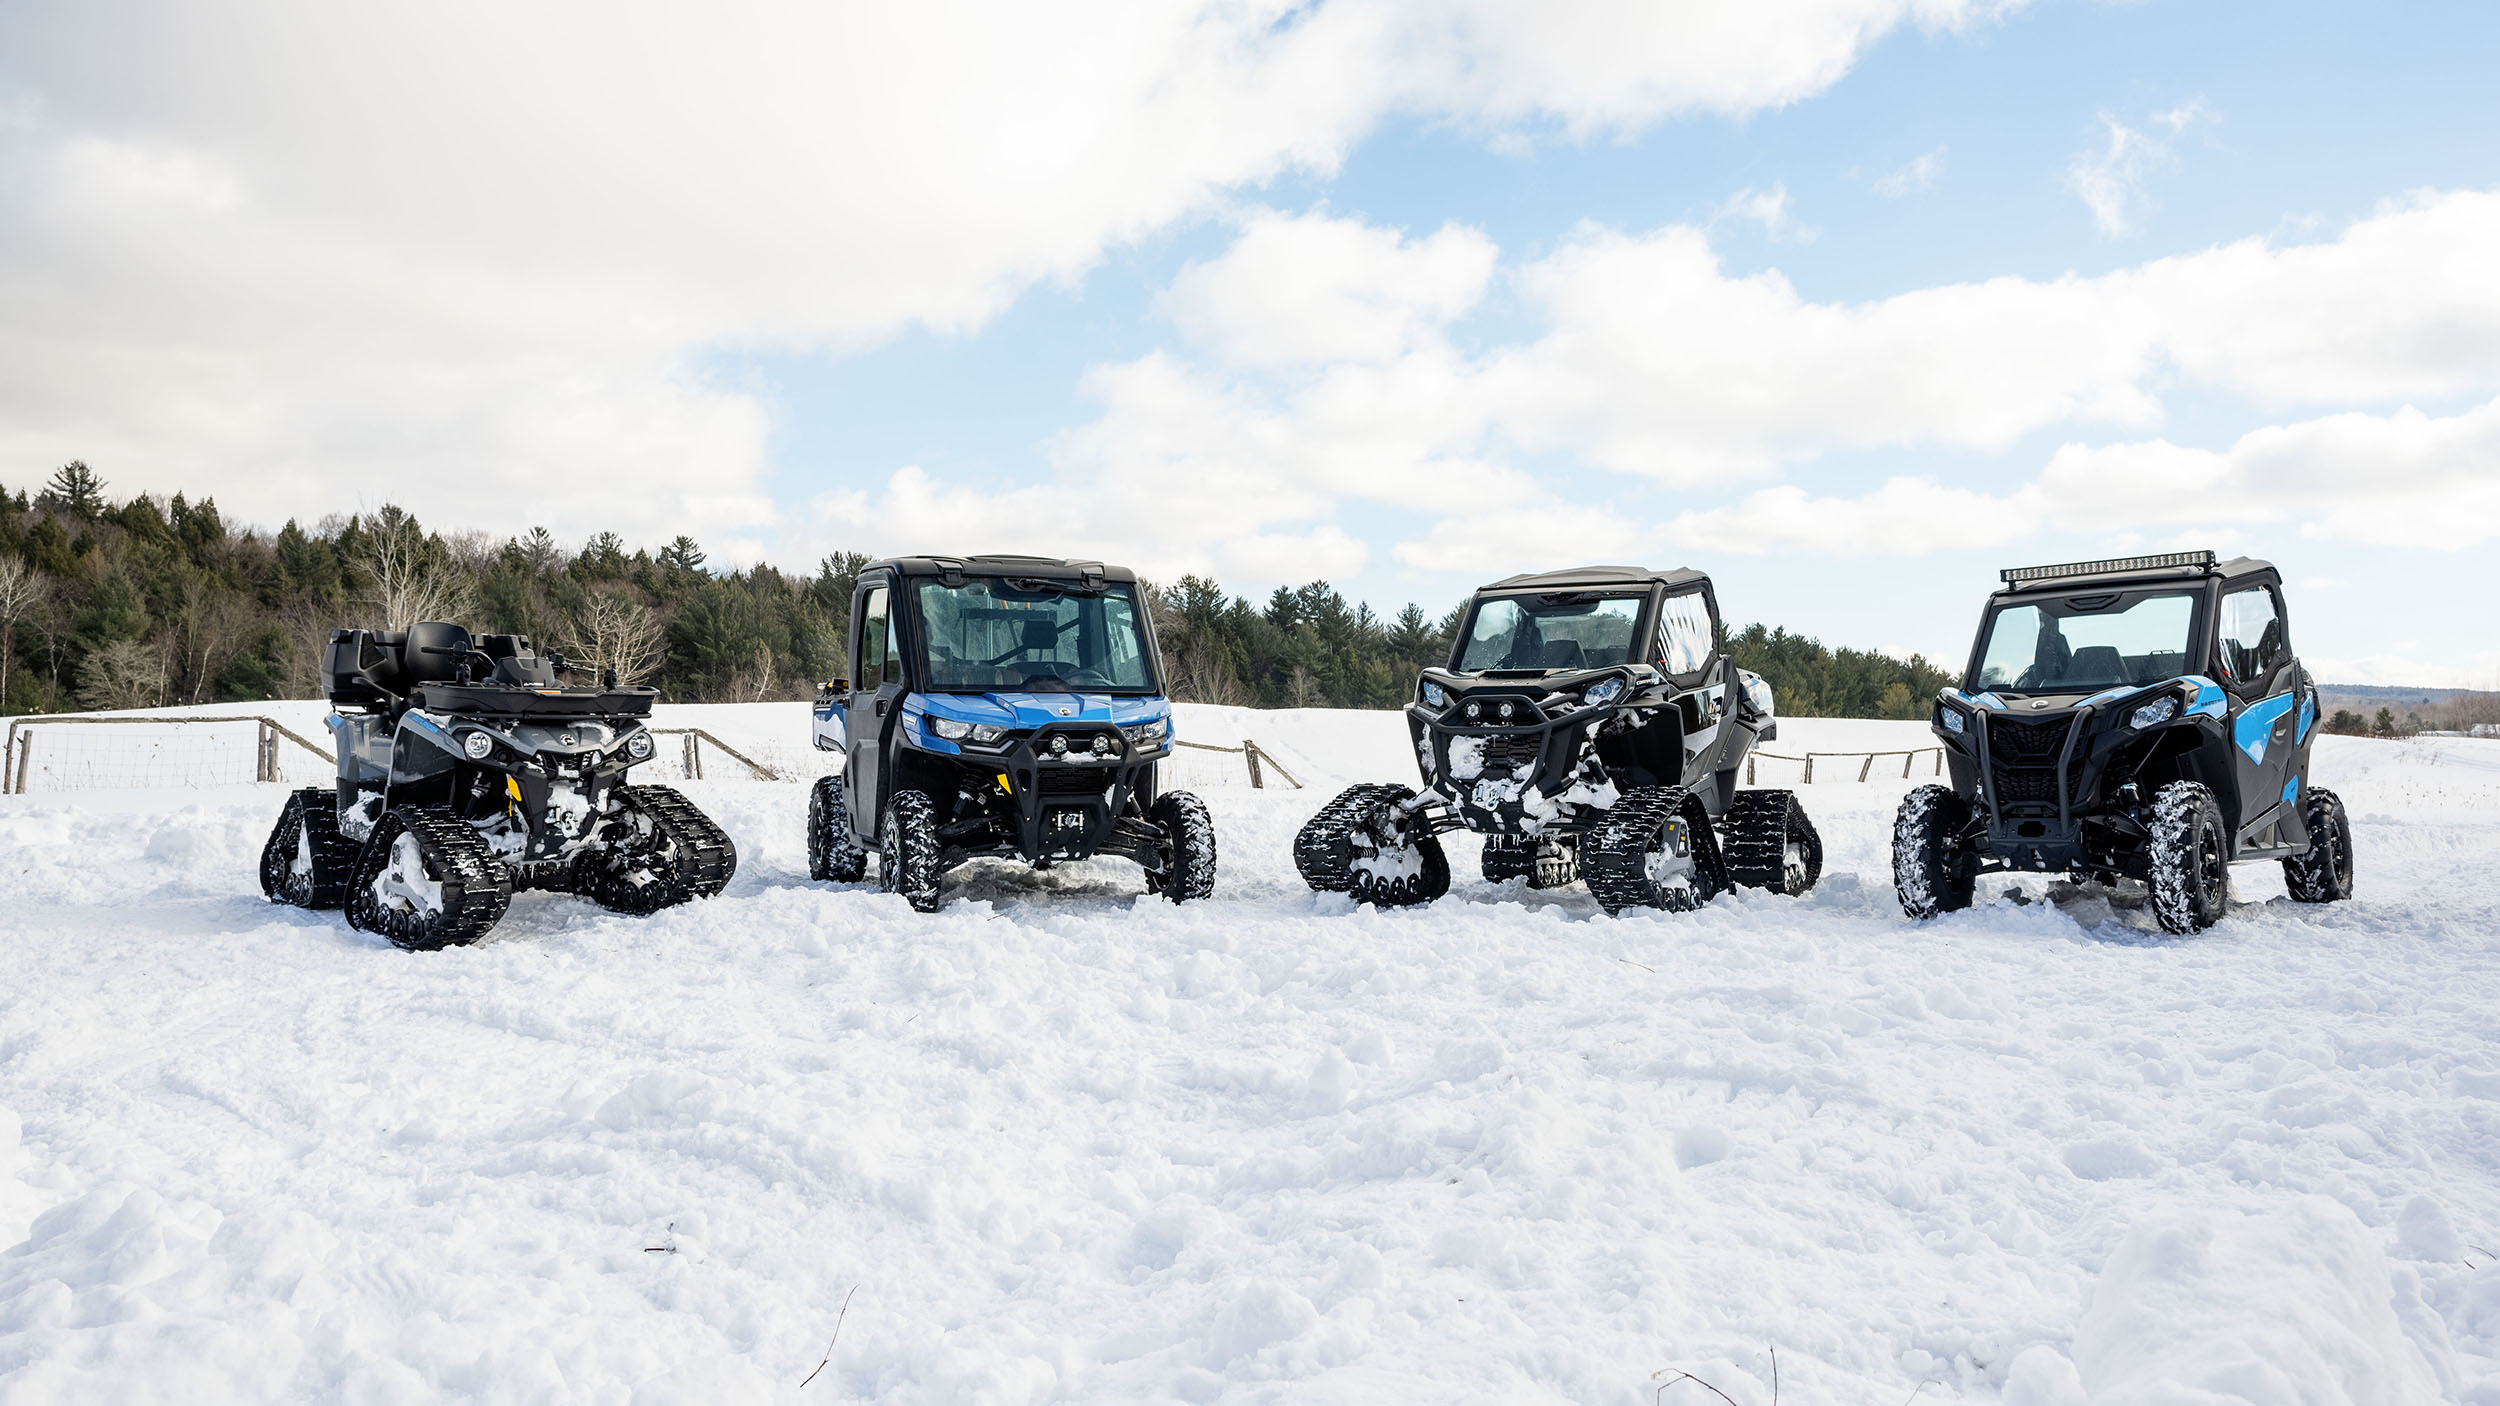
(2157, 712)
(478, 745)
(984, 733)
(1951, 720)
(638, 746)
(1435, 695)
(1603, 692)
(1148, 734)
(949, 728)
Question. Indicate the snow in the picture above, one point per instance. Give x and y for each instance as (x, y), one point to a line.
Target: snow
(1068, 1142)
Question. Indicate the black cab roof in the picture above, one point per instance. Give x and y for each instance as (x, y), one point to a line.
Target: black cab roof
(1588, 577)
(999, 564)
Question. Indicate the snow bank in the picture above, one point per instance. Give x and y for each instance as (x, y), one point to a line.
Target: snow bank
(1068, 1142)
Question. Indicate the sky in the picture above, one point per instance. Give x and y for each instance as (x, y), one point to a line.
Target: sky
(1850, 303)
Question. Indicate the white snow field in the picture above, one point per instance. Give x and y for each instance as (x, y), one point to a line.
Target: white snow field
(1063, 1142)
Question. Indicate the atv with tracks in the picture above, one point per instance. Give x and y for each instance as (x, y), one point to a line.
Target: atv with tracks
(1000, 707)
(467, 770)
(2133, 721)
(1591, 729)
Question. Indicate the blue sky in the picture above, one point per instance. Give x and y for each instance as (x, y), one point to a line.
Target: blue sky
(1409, 296)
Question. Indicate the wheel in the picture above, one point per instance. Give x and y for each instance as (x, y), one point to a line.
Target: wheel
(426, 880)
(1189, 847)
(1934, 869)
(1770, 844)
(831, 852)
(907, 855)
(653, 850)
(1655, 849)
(2324, 874)
(1321, 851)
(307, 862)
(2191, 858)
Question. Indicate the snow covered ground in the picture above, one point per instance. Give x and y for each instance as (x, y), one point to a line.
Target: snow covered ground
(1064, 1142)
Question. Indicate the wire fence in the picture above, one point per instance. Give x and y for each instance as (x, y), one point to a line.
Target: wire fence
(1865, 760)
(186, 752)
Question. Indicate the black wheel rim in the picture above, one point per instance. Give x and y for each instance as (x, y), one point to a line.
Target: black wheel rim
(2211, 869)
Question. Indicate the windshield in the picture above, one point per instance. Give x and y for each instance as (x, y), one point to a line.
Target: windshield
(2080, 644)
(992, 634)
(1549, 633)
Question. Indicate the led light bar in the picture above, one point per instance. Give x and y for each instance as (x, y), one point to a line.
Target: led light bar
(2016, 575)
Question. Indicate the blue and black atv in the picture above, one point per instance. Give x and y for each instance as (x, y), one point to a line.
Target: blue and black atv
(2141, 719)
(1006, 707)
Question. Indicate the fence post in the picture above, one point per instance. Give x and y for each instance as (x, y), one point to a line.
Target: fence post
(1867, 766)
(1250, 754)
(1939, 761)
(1809, 770)
(694, 759)
(25, 750)
(1749, 768)
(1906, 759)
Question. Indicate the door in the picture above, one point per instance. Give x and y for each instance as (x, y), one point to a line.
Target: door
(1688, 653)
(876, 695)
(2256, 669)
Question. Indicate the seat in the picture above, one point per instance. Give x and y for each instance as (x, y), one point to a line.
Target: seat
(2096, 663)
(424, 657)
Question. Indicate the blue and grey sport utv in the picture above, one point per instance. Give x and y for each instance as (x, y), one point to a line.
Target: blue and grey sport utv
(2138, 719)
(1000, 706)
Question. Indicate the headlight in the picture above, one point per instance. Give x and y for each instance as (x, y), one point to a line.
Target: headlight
(1603, 692)
(2157, 712)
(1148, 734)
(1951, 718)
(984, 733)
(949, 728)
(1435, 695)
(638, 746)
(478, 745)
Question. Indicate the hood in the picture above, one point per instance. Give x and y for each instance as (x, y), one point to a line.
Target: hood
(1033, 710)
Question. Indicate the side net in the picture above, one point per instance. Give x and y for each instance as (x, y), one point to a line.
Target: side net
(72, 756)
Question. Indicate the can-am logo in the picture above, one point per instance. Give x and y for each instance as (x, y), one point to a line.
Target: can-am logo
(1067, 712)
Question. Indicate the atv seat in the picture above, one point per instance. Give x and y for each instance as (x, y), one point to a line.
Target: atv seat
(363, 668)
(516, 663)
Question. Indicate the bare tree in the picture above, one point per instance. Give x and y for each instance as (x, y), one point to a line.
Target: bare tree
(123, 674)
(408, 579)
(613, 629)
(212, 622)
(22, 590)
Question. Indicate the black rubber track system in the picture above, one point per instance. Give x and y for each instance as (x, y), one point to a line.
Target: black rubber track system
(907, 854)
(1339, 851)
(1321, 850)
(1614, 857)
(1933, 868)
(831, 852)
(1506, 858)
(388, 890)
(1755, 835)
(307, 862)
(1189, 847)
(654, 851)
(2191, 858)
(2324, 874)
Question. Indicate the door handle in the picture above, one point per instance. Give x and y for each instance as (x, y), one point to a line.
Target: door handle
(881, 705)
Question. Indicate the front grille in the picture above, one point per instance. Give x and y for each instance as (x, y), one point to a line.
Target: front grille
(2022, 760)
(1514, 751)
(1075, 781)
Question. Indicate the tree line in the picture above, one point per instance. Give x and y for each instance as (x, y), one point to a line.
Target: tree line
(150, 602)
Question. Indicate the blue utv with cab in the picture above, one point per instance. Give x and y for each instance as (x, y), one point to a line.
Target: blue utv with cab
(1000, 706)
(2137, 719)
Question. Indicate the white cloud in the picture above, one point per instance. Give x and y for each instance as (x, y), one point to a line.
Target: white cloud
(2112, 178)
(1920, 174)
(2405, 479)
(306, 255)
(1769, 209)
(1311, 289)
